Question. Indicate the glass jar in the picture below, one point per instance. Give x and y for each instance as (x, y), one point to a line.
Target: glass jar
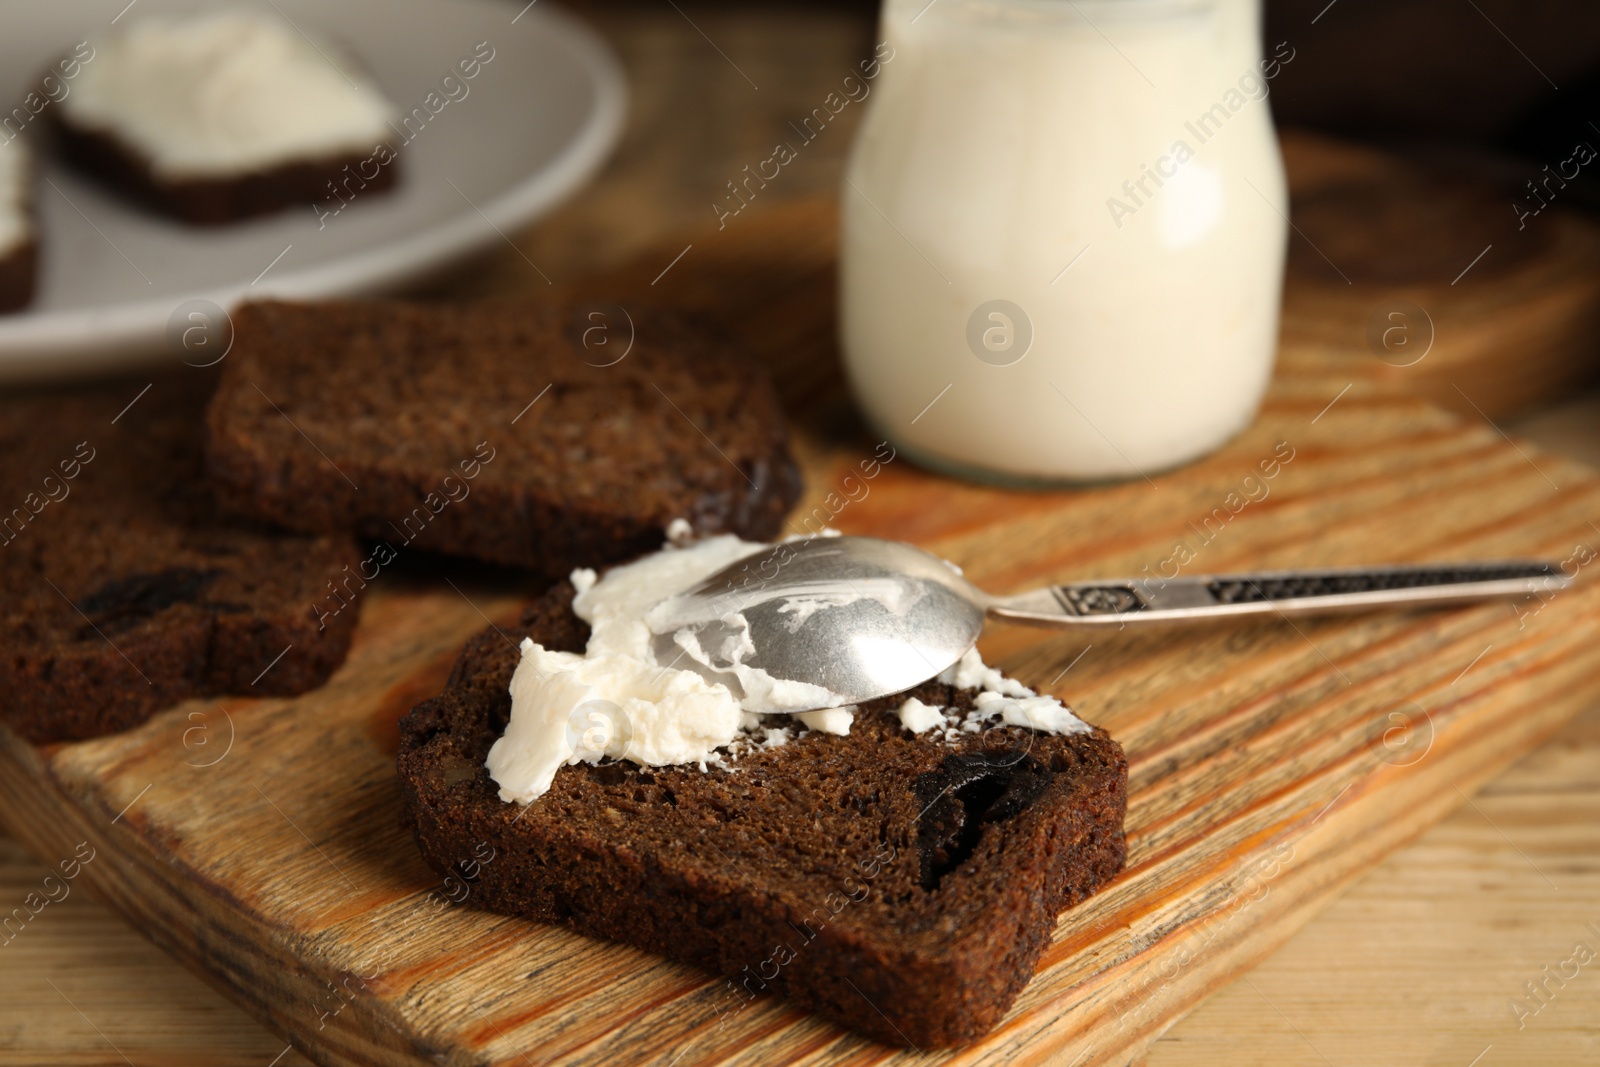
(1064, 227)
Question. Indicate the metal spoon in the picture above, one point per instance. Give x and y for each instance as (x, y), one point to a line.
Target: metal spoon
(865, 618)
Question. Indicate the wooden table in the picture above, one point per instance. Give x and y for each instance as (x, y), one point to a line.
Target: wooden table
(1418, 964)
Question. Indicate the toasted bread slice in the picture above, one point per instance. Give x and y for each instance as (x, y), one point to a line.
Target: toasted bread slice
(481, 431)
(125, 591)
(901, 885)
(19, 234)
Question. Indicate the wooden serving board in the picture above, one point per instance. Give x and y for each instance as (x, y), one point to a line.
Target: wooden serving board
(259, 841)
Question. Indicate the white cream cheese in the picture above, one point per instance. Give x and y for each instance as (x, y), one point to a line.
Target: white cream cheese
(226, 93)
(679, 532)
(919, 717)
(829, 720)
(999, 699)
(1033, 712)
(616, 701)
(1007, 699)
(970, 672)
(16, 195)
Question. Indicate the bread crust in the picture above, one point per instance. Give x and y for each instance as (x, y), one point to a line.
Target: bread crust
(220, 200)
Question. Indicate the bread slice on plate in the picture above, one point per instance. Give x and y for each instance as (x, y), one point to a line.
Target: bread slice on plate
(125, 592)
(224, 115)
(903, 885)
(491, 431)
(19, 241)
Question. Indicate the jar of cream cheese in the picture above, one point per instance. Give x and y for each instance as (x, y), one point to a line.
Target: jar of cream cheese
(1064, 225)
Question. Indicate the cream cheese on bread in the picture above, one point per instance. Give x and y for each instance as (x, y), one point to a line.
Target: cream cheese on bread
(226, 93)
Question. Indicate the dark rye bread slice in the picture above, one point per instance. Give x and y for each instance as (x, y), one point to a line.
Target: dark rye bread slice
(19, 257)
(125, 592)
(896, 885)
(109, 155)
(214, 201)
(481, 430)
(18, 269)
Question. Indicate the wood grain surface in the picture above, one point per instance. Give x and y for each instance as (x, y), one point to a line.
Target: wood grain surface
(1416, 964)
(1270, 764)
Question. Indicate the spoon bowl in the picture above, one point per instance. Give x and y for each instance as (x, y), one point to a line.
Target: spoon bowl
(860, 617)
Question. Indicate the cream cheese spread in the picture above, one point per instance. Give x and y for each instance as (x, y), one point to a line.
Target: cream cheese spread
(919, 717)
(999, 699)
(226, 93)
(16, 194)
(624, 698)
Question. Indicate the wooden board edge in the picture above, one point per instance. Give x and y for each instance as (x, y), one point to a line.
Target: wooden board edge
(176, 909)
(1364, 826)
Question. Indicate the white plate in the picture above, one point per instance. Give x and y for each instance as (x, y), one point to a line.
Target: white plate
(537, 121)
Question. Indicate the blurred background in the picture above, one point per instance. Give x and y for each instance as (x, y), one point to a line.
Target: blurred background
(1418, 133)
